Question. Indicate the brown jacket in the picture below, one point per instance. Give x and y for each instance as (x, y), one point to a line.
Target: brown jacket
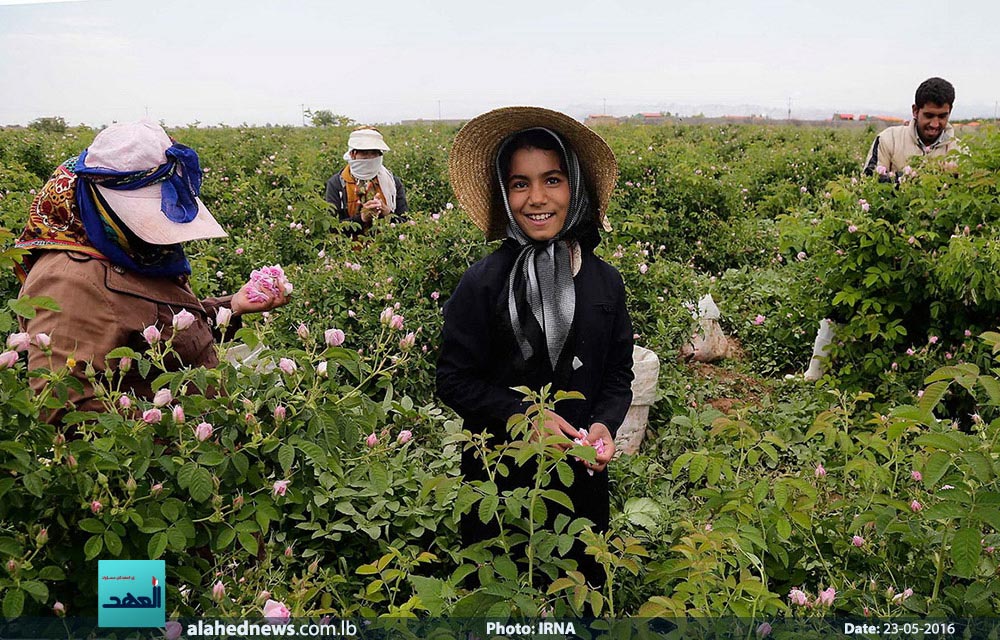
(104, 307)
(895, 146)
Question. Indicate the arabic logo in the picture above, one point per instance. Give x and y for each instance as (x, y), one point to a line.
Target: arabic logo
(142, 602)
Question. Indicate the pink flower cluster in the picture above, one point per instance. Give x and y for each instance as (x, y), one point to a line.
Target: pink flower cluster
(266, 283)
(598, 446)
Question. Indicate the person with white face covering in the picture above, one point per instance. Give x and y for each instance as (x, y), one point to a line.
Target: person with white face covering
(365, 190)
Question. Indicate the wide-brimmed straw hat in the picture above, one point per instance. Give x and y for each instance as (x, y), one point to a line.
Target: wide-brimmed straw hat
(473, 156)
(139, 146)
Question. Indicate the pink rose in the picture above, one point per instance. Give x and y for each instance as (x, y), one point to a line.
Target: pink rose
(915, 506)
(825, 598)
(916, 475)
(334, 337)
(321, 369)
(182, 320)
(178, 414)
(18, 341)
(218, 591)
(124, 402)
(932, 339)
(287, 365)
(408, 341)
(43, 340)
(223, 316)
(759, 320)
(59, 608)
(371, 440)
(302, 331)
(820, 471)
(386, 316)
(162, 398)
(280, 487)
(643, 268)
(125, 364)
(396, 322)
(173, 630)
(798, 597)
(152, 416)
(8, 359)
(763, 630)
(288, 552)
(858, 541)
(852, 228)
(203, 431)
(279, 413)
(404, 436)
(275, 611)
(151, 334)
(156, 488)
(435, 295)
(96, 506)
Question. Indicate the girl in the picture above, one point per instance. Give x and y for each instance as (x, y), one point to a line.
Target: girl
(542, 308)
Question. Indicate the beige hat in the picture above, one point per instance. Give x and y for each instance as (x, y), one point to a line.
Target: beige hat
(472, 167)
(139, 146)
(366, 138)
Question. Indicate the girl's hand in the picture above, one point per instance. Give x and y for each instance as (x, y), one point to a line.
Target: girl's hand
(605, 451)
(555, 424)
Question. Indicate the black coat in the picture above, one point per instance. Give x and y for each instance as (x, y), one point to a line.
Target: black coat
(480, 361)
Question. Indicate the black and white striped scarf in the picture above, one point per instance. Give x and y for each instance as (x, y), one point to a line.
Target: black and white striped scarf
(541, 278)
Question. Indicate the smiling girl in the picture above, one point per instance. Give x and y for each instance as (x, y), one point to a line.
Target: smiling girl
(542, 308)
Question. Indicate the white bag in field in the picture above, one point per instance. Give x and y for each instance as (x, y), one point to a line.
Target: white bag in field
(646, 367)
(710, 343)
(824, 337)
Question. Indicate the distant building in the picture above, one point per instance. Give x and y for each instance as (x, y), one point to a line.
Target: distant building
(843, 116)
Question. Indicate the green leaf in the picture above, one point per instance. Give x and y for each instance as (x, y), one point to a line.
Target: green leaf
(156, 545)
(286, 457)
(248, 542)
(965, 551)
(783, 527)
(980, 464)
(51, 573)
(938, 441)
(201, 485)
(225, 539)
(9, 546)
(488, 508)
(36, 590)
(13, 603)
(113, 543)
(643, 512)
(698, 465)
(558, 497)
(935, 468)
(93, 547)
(932, 396)
(27, 307)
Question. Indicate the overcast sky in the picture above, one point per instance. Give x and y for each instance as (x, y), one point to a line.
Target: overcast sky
(256, 61)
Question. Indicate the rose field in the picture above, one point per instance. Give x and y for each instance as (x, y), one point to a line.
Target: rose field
(325, 473)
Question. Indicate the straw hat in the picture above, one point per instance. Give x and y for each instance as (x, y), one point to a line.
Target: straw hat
(137, 146)
(473, 157)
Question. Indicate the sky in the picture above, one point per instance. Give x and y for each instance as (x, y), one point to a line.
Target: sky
(257, 61)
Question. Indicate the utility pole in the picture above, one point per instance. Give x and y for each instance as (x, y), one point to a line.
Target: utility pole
(605, 112)
(439, 109)
(303, 114)
(789, 108)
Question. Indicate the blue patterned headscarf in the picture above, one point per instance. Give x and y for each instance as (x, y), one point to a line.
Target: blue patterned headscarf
(180, 184)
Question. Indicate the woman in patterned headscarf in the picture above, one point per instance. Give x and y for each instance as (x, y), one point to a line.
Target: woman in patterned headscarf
(104, 242)
(541, 309)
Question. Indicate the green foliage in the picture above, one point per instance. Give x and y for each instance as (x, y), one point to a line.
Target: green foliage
(721, 513)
